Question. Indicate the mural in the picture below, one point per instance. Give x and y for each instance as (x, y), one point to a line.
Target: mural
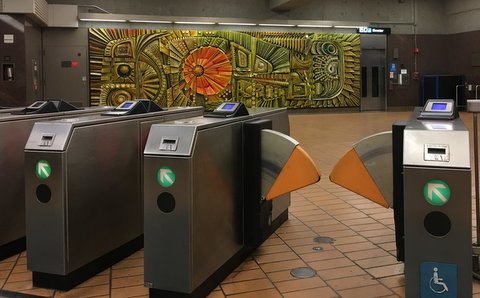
(260, 69)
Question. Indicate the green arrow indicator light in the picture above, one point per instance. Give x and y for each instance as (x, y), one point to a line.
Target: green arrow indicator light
(436, 192)
(43, 170)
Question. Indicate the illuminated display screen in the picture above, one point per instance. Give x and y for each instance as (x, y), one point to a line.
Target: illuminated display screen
(228, 106)
(126, 105)
(439, 106)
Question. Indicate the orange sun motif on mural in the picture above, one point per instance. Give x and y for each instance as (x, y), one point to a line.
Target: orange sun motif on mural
(207, 70)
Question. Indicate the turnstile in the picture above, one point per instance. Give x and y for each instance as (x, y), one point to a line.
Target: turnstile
(83, 191)
(431, 193)
(14, 131)
(195, 171)
(437, 206)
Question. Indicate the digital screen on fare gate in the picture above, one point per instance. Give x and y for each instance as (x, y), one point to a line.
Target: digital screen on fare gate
(126, 105)
(228, 106)
(438, 106)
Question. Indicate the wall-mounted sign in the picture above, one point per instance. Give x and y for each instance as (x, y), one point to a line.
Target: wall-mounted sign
(8, 38)
(373, 30)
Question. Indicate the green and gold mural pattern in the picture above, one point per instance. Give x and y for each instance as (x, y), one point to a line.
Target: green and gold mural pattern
(188, 67)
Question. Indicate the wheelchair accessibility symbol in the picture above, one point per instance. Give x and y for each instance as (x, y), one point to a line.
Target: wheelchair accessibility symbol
(438, 280)
(437, 285)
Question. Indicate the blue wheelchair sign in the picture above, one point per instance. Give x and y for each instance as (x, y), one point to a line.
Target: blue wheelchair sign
(438, 280)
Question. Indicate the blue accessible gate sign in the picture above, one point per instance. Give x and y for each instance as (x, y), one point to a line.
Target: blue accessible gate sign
(438, 280)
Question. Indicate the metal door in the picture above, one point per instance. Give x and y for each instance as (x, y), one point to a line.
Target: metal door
(373, 80)
(66, 74)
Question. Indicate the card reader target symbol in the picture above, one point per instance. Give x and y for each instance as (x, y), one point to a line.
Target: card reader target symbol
(43, 170)
(436, 192)
(165, 176)
(437, 285)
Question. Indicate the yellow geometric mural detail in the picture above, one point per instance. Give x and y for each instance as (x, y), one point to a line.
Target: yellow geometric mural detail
(189, 67)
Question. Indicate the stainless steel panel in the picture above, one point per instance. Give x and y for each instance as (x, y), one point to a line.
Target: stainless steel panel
(217, 199)
(14, 133)
(102, 187)
(61, 131)
(168, 242)
(420, 245)
(184, 134)
(46, 222)
(375, 152)
(280, 149)
(185, 246)
(452, 133)
(12, 180)
(103, 195)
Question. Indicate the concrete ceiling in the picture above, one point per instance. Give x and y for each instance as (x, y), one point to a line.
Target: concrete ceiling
(287, 5)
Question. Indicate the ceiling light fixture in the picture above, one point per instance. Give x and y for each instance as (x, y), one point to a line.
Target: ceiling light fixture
(103, 20)
(150, 21)
(194, 23)
(277, 25)
(314, 26)
(238, 24)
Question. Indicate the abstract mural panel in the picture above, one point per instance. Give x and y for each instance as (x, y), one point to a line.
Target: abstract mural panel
(189, 67)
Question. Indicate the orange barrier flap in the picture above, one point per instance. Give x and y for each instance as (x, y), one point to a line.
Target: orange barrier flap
(350, 173)
(299, 171)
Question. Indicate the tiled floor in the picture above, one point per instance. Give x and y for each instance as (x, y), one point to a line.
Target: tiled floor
(360, 262)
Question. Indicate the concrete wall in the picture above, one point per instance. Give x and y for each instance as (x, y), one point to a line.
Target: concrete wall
(401, 15)
(462, 16)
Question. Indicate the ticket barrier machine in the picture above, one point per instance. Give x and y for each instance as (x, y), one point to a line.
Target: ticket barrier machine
(83, 191)
(208, 188)
(15, 127)
(436, 203)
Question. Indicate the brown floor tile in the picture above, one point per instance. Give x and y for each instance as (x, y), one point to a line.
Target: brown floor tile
(358, 221)
(376, 233)
(400, 291)
(351, 282)
(382, 239)
(342, 217)
(366, 292)
(84, 292)
(331, 264)
(129, 292)
(388, 246)
(280, 276)
(270, 293)
(127, 272)
(7, 266)
(22, 261)
(247, 265)
(365, 254)
(291, 236)
(246, 286)
(384, 271)
(340, 272)
(2, 282)
(299, 284)
(324, 292)
(377, 262)
(273, 240)
(20, 268)
(292, 229)
(4, 274)
(129, 263)
(216, 294)
(322, 230)
(393, 281)
(18, 286)
(237, 276)
(96, 280)
(24, 276)
(326, 221)
(279, 266)
(309, 248)
(303, 241)
(367, 227)
(281, 256)
(127, 281)
(349, 240)
(39, 292)
(263, 250)
(355, 247)
(322, 255)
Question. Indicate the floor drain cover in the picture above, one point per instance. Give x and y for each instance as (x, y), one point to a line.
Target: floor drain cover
(322, 239)
(317, 248)
(303, 272)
